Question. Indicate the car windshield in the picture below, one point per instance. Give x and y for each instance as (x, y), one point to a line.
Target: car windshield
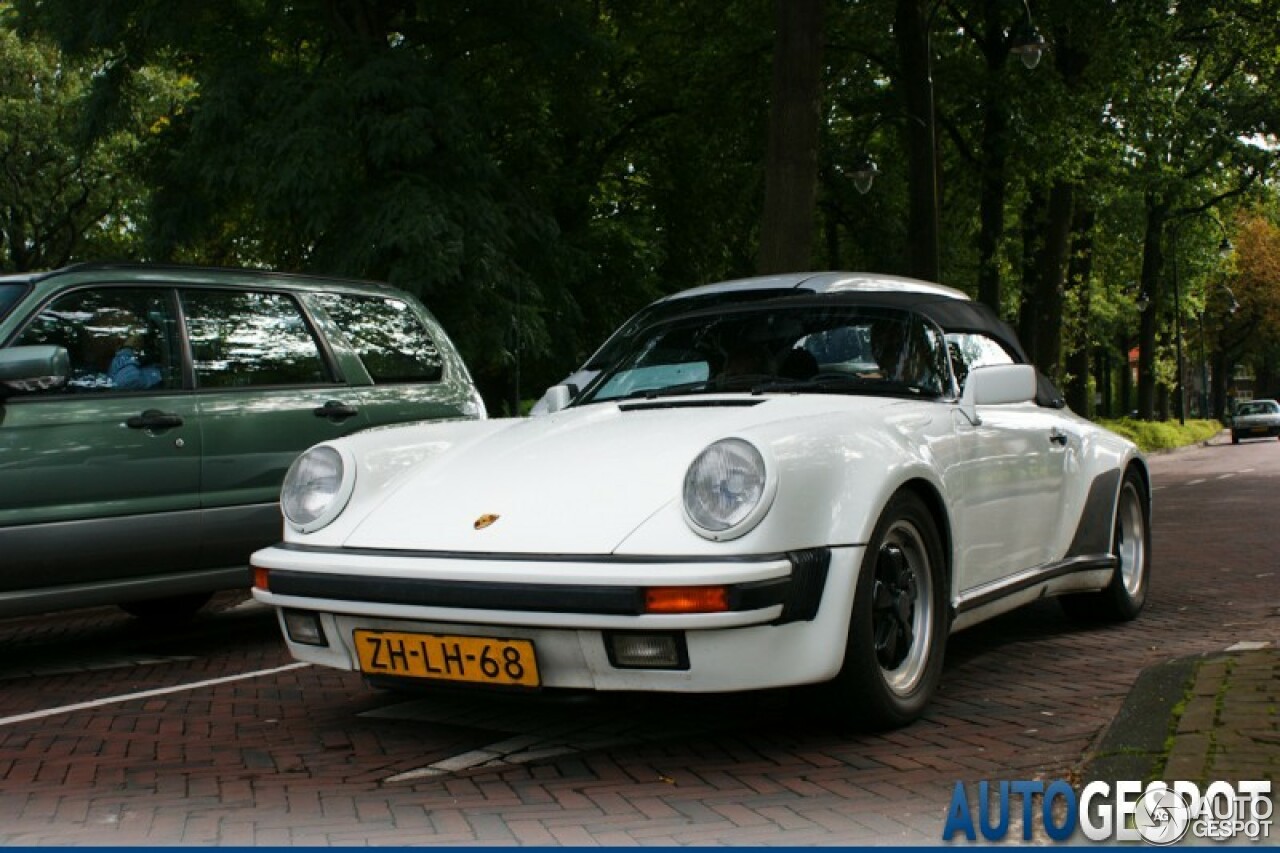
(763, 348)
(10, 293)
(1266, 408)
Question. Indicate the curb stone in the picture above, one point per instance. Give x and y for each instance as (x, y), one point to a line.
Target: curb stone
(1134, 745)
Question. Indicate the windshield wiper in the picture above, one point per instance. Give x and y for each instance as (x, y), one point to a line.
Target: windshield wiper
(668, 391)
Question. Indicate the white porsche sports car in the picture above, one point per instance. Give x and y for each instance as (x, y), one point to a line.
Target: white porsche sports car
(811, 486)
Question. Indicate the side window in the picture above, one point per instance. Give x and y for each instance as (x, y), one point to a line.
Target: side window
(387, 335)
(251, 339)
(119, 339)
(969, 350)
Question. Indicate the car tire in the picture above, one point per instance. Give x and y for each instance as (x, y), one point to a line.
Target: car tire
(171, 610)
(1235, 439)
(1124, 597)
(901, 598)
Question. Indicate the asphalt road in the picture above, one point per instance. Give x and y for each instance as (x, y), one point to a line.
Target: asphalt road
(115, 733)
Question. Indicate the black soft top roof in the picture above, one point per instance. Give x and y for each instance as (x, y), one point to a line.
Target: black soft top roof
(953, 315)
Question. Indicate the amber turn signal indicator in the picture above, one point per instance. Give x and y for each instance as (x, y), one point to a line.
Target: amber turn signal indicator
(686, 599)
(260, 579)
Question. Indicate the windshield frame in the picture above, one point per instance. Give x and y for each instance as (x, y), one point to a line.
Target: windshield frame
(810, 307)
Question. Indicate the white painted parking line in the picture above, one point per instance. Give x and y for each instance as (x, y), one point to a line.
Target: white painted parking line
(144, 694)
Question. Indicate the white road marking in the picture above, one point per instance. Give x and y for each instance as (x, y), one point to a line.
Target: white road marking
(1195, 482)
(1226, 476)
(144, 694)
(532, 733)
(1248, 646)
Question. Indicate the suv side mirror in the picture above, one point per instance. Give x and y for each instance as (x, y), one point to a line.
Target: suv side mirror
(45, 364)
(995, 385)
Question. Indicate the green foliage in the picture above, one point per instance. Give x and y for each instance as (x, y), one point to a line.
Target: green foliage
(537, 171)
(1163, 435)
(65, 194)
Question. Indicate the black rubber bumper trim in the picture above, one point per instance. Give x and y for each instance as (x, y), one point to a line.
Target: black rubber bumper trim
(798, 594)
(1090, 563)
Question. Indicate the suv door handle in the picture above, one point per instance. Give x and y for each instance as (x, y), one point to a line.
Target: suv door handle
(154, 419)
(335, 411)
(1057, 436)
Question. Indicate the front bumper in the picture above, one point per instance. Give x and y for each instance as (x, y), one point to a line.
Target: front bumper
(786, 624)
(1257, 430)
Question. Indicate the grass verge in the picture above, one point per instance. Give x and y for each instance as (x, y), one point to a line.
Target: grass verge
(1163, 435)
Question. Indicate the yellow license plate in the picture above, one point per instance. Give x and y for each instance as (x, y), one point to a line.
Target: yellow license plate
(484, 660)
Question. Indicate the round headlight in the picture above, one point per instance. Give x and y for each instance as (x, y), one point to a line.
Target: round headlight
(316, 488)
(726, 489)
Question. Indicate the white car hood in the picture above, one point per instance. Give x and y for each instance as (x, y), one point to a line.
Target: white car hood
(576, 482)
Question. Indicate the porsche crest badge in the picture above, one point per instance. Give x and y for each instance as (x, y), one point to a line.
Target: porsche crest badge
(484, 521)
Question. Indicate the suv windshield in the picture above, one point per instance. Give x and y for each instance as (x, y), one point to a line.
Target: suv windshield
(10, 292)
(761, 348)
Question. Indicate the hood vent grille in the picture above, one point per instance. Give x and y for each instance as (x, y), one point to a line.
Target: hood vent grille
(687, 404)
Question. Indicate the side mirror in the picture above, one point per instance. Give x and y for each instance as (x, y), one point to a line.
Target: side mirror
(45, 365)
(995, 385)
(559, 397)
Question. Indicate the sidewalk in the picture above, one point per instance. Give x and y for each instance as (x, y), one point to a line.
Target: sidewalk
(1200, 719)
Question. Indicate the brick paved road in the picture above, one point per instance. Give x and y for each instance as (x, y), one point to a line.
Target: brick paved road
(308, 756)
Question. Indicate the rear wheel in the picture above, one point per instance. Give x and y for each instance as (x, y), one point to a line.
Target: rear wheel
(1125, 596)
(897, 633)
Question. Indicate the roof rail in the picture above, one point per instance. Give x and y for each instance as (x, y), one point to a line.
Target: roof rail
(90, 266)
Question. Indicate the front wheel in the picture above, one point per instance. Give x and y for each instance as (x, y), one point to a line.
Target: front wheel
(1125, 596)
(898, 629)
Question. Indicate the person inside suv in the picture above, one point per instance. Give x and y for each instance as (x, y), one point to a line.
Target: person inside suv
(127, 370)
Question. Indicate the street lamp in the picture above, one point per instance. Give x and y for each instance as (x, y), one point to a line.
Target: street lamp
(1025, 42)
(1224, 248)
(864, 172)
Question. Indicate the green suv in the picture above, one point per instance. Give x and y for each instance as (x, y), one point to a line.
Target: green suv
(148, 415)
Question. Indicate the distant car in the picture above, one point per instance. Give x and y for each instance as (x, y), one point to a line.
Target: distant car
(811, 488)
(1255, 419)
(148, 415)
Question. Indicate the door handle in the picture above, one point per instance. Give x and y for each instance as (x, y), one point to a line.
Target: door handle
(154, 419)
(335, 411)
(1058, 437)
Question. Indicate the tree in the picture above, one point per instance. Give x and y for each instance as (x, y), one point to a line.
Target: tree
(791, 171)
(65, 195)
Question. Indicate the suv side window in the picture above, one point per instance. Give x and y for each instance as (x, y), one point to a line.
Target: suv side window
(251, 339)
(119, 339)
(387, 335)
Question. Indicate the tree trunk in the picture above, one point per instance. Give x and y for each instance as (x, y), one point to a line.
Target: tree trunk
(1079, 274)
(1126, 379)
(1149, 282)
(1049, 281)
(791, 171)
(992, 179)
(1033, 215)
(911, 34)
